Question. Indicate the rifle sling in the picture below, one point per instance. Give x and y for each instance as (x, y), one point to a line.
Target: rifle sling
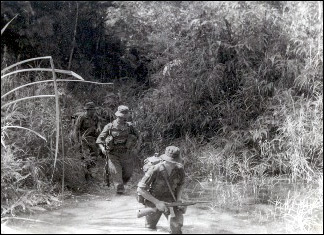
(164, 174)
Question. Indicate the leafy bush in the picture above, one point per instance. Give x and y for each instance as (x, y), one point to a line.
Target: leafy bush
(220, 78)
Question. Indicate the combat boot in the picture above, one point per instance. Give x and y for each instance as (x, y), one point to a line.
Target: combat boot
(120, 189)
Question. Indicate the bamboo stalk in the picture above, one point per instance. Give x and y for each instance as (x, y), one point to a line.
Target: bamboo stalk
(24, 128)
(58, 80)
(57, 107)
(26, 98)
(63, 159)
(44, 70)
(24, 61)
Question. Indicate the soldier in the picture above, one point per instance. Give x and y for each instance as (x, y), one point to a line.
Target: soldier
(86, 130)
(118, 139)
(162, 183)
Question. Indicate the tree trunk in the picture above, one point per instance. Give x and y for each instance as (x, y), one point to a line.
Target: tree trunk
(74, 35)
(320, 16)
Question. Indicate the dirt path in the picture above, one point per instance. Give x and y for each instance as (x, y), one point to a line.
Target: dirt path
(102, 214)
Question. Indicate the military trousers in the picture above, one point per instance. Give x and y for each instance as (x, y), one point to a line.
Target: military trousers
(176, 222)
(89, 145)
(121, 166)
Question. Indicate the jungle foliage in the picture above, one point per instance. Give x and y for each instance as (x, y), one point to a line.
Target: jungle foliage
(238, 86)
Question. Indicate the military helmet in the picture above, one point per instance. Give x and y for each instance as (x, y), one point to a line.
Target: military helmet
(90, 105)
(123, 111)
(172, 154)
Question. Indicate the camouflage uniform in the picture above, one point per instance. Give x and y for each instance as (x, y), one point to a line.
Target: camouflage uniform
(119, 153)
(86, 132)
(154, 182)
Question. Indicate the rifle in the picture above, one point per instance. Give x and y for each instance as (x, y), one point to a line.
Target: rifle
(150, 210)
(107, 171)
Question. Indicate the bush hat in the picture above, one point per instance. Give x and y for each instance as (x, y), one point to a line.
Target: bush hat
(172, 154)
(123, 111)
(90, 105)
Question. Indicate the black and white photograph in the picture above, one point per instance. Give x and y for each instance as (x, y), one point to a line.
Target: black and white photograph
(161, 117)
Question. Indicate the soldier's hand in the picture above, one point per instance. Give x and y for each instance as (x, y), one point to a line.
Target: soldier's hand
(103, 150)
(162, 207)
(182, 209)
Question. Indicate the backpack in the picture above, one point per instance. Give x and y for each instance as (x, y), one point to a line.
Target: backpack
(151, 161)
(148, 164)
(75, 116)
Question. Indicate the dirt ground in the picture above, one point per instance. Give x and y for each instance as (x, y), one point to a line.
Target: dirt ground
(106, 212)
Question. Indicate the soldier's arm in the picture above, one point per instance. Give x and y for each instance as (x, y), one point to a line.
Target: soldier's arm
(135, 132)
(147, 195)
(179, 192)
(144, 185)
(77, 127)
(98, 128)
(102, 136)
(160, 205)
(180, 187)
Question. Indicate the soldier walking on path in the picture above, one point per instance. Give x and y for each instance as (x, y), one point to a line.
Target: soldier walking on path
(86, 130)
(161, 184)
(117, 140)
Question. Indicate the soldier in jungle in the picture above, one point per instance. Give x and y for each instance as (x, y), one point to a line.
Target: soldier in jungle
(117, 141)
(86, 130)
(163, 183)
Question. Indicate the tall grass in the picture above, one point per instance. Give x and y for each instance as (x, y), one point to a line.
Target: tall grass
(303, 209)
(26, 162)
(47, 169)
(240, 81)
(238, 86)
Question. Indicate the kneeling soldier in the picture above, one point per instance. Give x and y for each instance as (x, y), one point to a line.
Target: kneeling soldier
(163, 183)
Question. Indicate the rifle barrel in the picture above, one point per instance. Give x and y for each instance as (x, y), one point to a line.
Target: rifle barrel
(149, 210)
(171, 204)
(107, 170)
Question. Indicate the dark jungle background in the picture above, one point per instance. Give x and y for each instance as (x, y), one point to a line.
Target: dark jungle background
(238, 86)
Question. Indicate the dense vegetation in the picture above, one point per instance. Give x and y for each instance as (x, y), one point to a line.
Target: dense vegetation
(237, 85)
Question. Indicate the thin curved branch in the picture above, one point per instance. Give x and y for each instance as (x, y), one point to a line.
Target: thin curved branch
(24, 128)
(24, 61)
(4, 28)
(45, 70)
(57, 114)
(58, 80)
